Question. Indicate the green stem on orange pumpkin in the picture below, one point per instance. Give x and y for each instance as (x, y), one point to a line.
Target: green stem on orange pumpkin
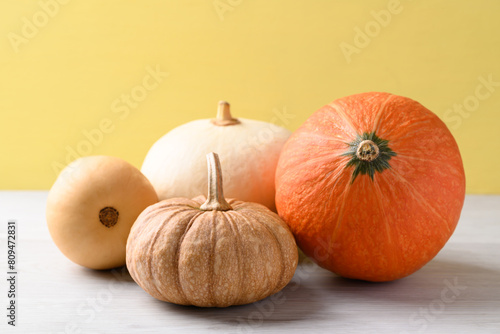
(224, 117)
(215, 199)
(369, 154)
(367, 151)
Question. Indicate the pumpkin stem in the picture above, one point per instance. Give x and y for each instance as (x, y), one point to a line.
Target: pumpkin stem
(367, 151)
(224, 117)
(369, 154)
(215, 199)
(108, 216)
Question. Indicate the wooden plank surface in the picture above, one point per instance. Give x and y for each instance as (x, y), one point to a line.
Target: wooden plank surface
(457, 292)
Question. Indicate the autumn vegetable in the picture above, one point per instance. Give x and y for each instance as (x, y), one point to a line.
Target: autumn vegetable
(210, 252)
(371, 185)
(249, 150)
(91, 207)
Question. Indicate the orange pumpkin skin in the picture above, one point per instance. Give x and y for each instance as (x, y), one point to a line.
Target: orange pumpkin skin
(378, 229)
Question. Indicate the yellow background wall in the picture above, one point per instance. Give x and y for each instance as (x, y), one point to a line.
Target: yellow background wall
(67, 67)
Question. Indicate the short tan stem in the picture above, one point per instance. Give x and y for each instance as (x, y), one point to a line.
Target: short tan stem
(224, 117)
(367, 151)
(215, 199)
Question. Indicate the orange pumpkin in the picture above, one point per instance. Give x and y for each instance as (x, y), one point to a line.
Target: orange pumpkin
(371, 185)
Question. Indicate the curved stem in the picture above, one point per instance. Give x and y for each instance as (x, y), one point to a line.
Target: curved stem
(224, 117)
(215, 199)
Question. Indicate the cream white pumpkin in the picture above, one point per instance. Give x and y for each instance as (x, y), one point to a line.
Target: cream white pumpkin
(249, 151)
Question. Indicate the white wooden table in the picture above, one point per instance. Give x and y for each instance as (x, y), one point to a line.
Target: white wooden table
(457, 292)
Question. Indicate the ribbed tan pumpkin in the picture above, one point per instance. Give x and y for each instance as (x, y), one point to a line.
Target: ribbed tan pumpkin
(212, 253)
